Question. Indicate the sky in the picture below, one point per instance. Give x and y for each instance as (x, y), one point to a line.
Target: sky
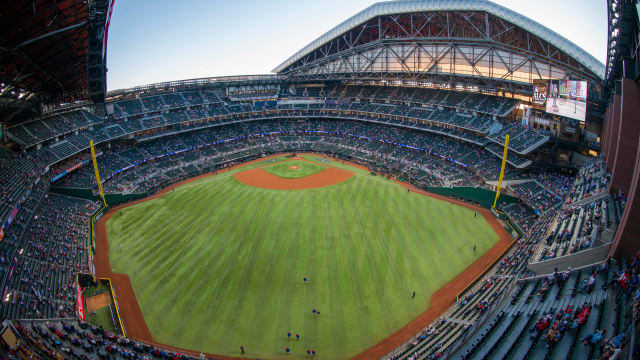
(153, 41)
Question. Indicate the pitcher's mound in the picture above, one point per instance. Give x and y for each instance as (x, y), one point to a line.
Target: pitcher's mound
(294, 167)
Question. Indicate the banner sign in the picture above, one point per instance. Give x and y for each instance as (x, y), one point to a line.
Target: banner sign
(12, 216)
(59, 176)
(72, 169)
(79, 302)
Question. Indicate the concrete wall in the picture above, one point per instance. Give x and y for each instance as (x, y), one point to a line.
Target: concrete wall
(614, 126)
(628, 132)
(606, 129)
(582, 258)
(627, 239)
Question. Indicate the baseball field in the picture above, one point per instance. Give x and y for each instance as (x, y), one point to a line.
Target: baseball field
(220, 262)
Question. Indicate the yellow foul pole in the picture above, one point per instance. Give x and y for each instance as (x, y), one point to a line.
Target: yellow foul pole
(95, 168)
(504, 163)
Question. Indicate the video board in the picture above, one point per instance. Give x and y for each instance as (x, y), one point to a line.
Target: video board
(566, 98)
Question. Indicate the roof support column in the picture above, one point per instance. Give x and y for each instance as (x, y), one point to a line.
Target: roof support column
(486, 26)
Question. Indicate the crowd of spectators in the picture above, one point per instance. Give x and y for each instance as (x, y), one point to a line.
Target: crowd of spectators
(70, 339)
(47, 243)
(50, 247)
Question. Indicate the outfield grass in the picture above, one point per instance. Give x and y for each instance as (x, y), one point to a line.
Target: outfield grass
(218, 264)
(294, 169)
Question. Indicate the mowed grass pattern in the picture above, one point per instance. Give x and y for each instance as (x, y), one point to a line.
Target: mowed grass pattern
(284, 169)
(218, 264)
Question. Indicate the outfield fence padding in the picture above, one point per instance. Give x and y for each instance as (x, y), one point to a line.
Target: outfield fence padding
(87, 194)
(483, 197)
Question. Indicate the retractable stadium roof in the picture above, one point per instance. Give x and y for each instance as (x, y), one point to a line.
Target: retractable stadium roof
(421, 6)
(44, 51)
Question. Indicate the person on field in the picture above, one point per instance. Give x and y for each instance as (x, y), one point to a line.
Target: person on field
(475, 214)
(318, 313)
(288, 335)
(305, 279)
(287, 350)
(474, 247)
(297, 336)
(414, 294)
(314, 311)
(241, 349)
(308, 352)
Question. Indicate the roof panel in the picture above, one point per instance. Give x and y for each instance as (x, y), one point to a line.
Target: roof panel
(413, 6)
(44, 47)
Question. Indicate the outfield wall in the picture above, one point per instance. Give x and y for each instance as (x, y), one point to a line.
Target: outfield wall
(483, 197)
(87, 194)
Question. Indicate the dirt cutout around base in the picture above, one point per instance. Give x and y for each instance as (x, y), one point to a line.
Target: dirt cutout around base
(98, 302)
(441, 300)
(261, 179)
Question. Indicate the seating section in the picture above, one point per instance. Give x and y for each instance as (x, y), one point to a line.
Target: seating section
(578, 228)
(37, 131)
(591, 180)
(53, 246)
(167, 110)
(69, 339)
(534, 194)
(129, 107)
(556, 317)
(17, 175)
(173, 100)
(491, 105)
(350, 139)
(429, 137)
(521, 140)
(378, 96)
(589, 215)
(512, 158)
(153, 103)
(13, 234)
(521, 215)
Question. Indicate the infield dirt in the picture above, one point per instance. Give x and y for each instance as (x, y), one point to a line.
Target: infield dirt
(262, 179)
(98, 302)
